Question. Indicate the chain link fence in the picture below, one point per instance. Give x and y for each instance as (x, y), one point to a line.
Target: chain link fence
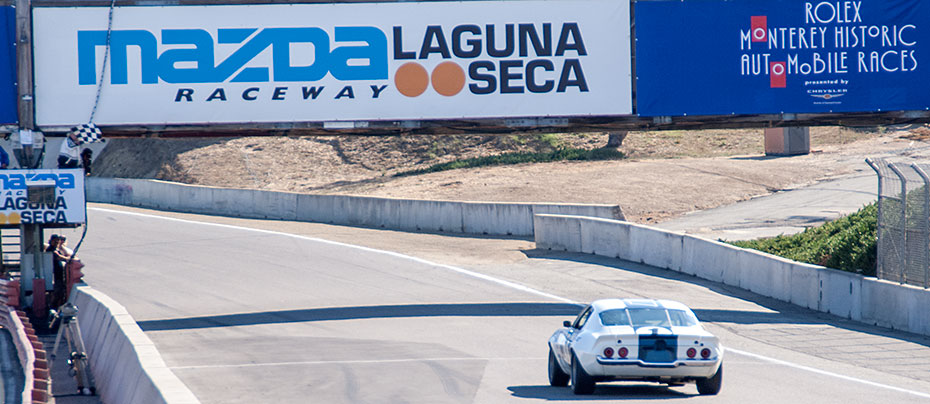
(903, 251)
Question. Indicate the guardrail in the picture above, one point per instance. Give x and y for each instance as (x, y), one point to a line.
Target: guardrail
(492, 218)
(848, 295)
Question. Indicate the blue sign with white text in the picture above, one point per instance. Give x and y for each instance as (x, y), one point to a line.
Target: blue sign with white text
(7, 66)
(718, 57)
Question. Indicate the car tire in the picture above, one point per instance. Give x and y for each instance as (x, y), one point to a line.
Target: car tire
(557, 377)
(582, 382)
(711, 385)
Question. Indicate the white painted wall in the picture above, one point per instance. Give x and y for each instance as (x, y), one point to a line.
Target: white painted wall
(495, 218)
(123, 360)
(844, 294)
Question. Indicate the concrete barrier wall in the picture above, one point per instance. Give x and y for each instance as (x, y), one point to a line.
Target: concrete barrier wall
(493, 218)
(25, 351)
(123, 360)
(844, 294)
(559, 233)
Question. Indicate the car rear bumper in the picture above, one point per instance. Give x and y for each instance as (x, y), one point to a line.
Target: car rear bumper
(635, 368)
(668, 365)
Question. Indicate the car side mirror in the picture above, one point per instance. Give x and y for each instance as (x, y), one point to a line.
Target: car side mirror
(566, 323)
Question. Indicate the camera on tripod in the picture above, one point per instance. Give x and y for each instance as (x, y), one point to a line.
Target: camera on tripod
(77, 358)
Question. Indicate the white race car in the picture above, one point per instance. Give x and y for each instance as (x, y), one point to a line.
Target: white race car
(635, 339)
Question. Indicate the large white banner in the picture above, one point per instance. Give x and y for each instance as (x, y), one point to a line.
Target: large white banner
(333, 62)
(42, 196)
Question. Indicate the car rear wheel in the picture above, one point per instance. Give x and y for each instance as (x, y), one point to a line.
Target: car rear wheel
(711, 385)
(582, 382)
(557, 377)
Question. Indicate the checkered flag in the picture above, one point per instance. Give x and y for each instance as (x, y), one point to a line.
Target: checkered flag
(87, 133)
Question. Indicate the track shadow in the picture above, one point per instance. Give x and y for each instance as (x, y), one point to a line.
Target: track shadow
(748, 317)
(781, 312)
(603, 391)
(763, 157)
(365, 312)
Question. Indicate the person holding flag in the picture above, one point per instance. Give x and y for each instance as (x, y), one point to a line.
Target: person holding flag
(69, 156)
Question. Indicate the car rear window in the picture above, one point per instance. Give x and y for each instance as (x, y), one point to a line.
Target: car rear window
(646, 317)
(649, 317)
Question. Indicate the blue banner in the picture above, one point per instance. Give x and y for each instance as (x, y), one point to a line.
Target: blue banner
(717, 57)
(8, 66)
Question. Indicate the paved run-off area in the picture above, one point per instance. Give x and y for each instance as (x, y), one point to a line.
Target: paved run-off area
(257, 316)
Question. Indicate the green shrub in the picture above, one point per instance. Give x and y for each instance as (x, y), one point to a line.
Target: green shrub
(848, 243)
(551, 139)
(520, 158)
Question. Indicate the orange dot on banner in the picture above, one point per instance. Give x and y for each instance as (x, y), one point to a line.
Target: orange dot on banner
(2, 218)
(448, 78)
(14, 218)
(411, 79)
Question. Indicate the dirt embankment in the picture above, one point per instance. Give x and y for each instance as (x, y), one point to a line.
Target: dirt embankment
(664, 175)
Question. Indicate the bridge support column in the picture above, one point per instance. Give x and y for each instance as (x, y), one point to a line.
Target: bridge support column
(787, 141)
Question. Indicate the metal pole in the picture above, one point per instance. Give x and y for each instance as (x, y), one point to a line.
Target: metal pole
(903, 220)
(24, 64)
(879, 264)
(926, 242)
(31, 243)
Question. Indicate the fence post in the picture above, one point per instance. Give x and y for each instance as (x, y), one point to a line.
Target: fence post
(904, 256)
(923, 175)
(879, 263)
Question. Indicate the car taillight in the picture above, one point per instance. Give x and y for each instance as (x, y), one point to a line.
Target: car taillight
(623, 352)
(609, 352)
(692, 352)
(705, 353)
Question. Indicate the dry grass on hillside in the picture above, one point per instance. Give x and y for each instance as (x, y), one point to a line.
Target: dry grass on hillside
(664, 175)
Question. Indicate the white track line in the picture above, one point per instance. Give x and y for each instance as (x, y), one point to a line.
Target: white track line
(490, 279)
(826, 373)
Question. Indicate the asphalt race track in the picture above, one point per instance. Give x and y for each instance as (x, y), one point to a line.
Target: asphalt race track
(244, 315)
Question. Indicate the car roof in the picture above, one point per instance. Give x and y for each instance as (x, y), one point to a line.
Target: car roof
(607, 304)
